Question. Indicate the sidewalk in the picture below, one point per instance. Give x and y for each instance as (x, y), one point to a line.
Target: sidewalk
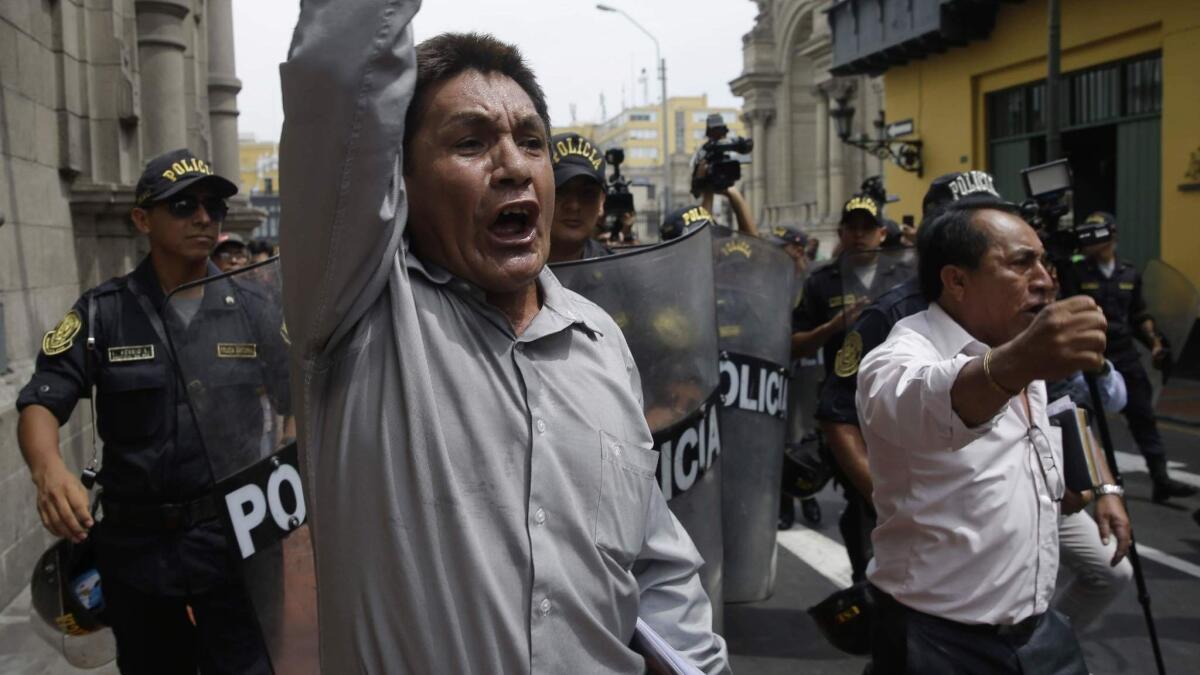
(1180, 402)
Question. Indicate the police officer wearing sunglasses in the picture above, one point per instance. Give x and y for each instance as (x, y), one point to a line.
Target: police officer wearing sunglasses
(171, 594)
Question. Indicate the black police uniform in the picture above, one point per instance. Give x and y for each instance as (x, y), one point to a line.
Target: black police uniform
(594, 249)
(160, 545)
(837, 405)
(1120, 297)
(827, 291)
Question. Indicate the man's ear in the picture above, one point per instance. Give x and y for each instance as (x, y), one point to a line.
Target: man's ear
(954, 281)
(141, 220)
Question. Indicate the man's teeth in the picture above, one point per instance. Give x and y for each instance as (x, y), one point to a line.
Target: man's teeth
(515, 211)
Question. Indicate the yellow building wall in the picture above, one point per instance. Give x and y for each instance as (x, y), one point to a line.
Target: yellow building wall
(251, 177)
(944, 95)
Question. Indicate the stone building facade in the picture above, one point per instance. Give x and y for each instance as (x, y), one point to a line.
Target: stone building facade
(89, 91)
(802, 173)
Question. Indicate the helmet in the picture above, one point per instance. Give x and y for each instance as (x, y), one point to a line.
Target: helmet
(67, 605)
(844, 618)
(805, 471)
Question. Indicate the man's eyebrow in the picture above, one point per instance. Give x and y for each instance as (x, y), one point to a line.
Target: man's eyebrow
(1024, 253)
(467, 118)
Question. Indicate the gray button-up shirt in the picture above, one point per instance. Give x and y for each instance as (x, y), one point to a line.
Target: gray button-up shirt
(481, 502)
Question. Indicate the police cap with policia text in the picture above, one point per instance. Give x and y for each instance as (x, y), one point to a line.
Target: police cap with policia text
(683, 219)
(864, 203)
(963, 190)
(171, 173)
(573, 155)
(1099, 228)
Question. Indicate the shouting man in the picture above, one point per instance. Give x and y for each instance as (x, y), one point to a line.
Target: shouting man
(480, 470)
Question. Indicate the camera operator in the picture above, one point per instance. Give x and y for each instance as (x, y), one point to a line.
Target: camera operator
(578, 198)
(1116, 286)
(714, 171)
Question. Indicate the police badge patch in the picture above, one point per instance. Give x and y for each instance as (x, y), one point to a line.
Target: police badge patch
(62, 337)
(849, 355)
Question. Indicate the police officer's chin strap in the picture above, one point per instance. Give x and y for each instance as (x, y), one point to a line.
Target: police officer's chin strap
(89, 473)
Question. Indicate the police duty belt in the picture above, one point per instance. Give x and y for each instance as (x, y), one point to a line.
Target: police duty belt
(688, 448)
(753, 384)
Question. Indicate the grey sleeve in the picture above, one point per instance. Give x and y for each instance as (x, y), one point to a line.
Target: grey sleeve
(672, 600)
(346, 86)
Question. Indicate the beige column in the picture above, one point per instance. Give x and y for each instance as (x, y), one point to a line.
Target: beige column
(758, 131)
(223, 88)
(837, 170)
(821, 146)
(161, 72)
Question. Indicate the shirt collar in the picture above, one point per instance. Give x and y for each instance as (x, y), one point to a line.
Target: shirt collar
(147, 283)
(559, 309)
(949, 337)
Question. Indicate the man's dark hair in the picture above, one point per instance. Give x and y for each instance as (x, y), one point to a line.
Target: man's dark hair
(261, 245)
(445, 56)
(951, 238)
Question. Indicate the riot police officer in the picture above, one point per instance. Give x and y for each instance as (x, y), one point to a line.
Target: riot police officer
(579, 192)
(167, 569)
(826, 309)
(1116, 286)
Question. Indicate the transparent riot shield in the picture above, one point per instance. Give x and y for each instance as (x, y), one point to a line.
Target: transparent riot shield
(66, 606)
(866, 276)
(1173, 301)
(229, 345)
(754, 289)
(662, 298)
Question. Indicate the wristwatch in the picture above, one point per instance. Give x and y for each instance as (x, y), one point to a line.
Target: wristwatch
(1109, 489)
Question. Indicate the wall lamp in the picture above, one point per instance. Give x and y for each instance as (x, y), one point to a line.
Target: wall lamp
(906, 154)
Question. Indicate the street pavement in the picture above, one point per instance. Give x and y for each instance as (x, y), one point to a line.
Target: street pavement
(777, 635)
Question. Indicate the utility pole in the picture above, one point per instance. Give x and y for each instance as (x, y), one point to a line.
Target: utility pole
(1053, 53)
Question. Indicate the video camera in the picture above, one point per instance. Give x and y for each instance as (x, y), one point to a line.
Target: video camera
(619, 200)
(1048, 198)
(723, 170)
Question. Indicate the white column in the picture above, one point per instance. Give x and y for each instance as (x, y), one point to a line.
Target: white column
(821, 147)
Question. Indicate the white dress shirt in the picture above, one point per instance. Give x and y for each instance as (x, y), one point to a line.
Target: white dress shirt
(968, 520)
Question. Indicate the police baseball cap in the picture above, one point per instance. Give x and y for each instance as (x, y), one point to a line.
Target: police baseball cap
(573, 155)
(963, 189)
(782, 235)
(862, 202)
(175, 171)
(1099, 228)
(683, 219)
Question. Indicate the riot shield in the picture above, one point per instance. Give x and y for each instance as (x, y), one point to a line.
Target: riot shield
(231, 357)
(870, 274)
(1173, 302)
(662, 298)
(754, 282)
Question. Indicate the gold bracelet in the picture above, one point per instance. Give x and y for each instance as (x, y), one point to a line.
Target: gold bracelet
(987, 372)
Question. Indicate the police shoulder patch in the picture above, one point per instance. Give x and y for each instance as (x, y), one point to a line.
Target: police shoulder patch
(849, 356)
(62, 337)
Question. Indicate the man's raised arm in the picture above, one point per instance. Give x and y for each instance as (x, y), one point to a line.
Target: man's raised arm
(346, 86)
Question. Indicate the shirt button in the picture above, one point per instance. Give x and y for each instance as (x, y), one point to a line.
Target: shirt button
(616, 448)
(540, 516)
(541, 426)
(44, 388)
(545, 606)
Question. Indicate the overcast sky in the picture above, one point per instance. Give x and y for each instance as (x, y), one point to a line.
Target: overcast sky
(577, 51)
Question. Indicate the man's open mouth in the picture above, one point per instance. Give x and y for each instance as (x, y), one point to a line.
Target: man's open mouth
(516, 224)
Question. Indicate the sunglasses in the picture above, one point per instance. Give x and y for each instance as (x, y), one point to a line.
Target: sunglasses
(187, 205)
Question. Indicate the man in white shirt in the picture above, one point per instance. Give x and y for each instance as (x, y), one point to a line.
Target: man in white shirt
(964, 462)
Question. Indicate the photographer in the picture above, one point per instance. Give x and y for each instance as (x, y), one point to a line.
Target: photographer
(714, 171)
(578, 198)
(1117, 287)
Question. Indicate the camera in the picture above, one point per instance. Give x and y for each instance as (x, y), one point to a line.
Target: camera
(723, 169)
(1048, 198)
(619, 200)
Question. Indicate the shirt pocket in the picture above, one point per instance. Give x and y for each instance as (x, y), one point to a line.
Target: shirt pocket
(132, 401)
(626, 484)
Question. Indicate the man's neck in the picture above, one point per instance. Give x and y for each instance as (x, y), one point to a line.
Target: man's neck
(1106, 257)
(173, 272)
(519, 307)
